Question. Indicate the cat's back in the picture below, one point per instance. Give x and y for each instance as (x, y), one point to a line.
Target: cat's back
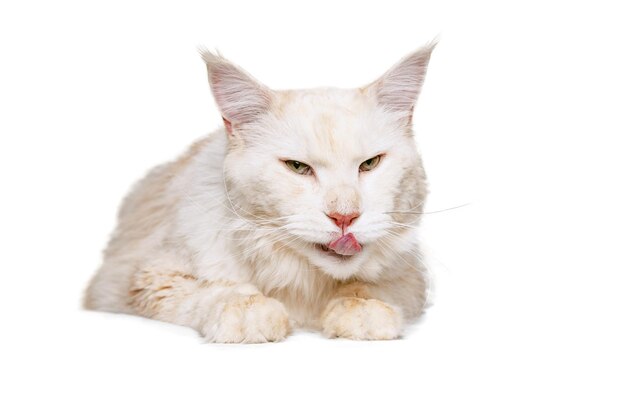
(145, 218)
(149, 205)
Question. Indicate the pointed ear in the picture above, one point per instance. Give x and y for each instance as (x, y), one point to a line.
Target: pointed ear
(240, 97)
(398, 88)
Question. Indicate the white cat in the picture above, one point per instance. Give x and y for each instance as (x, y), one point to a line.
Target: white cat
(301, 212)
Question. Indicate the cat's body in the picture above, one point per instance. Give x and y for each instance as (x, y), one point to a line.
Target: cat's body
(242, 241)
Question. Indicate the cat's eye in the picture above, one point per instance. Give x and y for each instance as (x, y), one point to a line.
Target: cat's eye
(369, 164)
(298, 167)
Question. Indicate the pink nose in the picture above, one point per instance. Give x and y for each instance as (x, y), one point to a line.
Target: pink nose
(341, 220)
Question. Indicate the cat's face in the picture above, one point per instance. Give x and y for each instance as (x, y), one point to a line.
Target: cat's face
(333, 171)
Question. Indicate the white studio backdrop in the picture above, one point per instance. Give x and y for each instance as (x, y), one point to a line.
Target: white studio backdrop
(521, 117)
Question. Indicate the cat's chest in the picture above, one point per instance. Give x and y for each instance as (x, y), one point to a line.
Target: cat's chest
(304, 292)
(288, 277)
(273, 268)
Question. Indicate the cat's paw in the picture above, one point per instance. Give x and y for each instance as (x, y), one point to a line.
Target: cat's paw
(249, 319)
(361, 319)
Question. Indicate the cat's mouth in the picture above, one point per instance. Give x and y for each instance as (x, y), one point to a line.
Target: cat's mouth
(343, 247)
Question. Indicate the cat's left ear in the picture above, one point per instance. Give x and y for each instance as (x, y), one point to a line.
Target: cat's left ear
(397, 90)
(240, 98)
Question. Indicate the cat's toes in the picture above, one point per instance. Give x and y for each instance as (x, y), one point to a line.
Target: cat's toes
(250, 319)
(361, 319)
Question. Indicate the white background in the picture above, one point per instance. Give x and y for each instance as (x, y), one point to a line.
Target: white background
(522, 116)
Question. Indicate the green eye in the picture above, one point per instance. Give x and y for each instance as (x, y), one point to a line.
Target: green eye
(370, 164)
(298, 167)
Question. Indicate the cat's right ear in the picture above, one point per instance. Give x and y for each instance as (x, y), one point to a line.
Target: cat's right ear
(240, 98)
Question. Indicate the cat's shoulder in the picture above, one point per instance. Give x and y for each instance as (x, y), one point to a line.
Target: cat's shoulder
(160, 180)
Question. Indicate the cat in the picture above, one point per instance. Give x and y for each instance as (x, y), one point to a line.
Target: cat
(299, 213)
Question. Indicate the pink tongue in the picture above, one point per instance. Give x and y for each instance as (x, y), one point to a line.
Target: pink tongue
(345, 245)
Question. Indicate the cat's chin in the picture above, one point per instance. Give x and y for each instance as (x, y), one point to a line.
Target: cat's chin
(336, 265)
(325, 250)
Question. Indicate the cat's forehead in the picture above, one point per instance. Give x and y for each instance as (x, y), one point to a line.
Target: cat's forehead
(317, 100)
(326, 125)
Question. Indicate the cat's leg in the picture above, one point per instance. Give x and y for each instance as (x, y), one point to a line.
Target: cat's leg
(356, 312)
(222, 311)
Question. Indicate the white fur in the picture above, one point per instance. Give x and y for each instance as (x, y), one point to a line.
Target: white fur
(222, 239)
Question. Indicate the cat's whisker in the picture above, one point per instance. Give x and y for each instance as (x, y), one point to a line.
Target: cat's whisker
(207, 210)
(294, 239)
(429, 212)
(404, 238)
(261, 221)
(254, 247)
(217, 199)
(397, 254)
(419, 205)
(234, 231)
(403, 225)
(245, 227)
(393, 254)
(253, 235)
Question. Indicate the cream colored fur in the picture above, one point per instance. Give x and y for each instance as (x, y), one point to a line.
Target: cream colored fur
(224, 238)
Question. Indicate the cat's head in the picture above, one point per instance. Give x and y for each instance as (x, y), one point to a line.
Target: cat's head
(335, 171)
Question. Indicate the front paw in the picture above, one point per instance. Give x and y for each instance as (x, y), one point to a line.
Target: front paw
(249, 319)
(361, 319)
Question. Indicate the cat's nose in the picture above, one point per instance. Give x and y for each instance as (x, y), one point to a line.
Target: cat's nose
(341, 220)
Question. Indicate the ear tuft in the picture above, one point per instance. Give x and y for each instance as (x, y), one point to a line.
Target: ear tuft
(398, 89)
(239, 96)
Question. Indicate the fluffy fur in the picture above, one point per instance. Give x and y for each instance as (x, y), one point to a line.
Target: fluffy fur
(230, 241)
